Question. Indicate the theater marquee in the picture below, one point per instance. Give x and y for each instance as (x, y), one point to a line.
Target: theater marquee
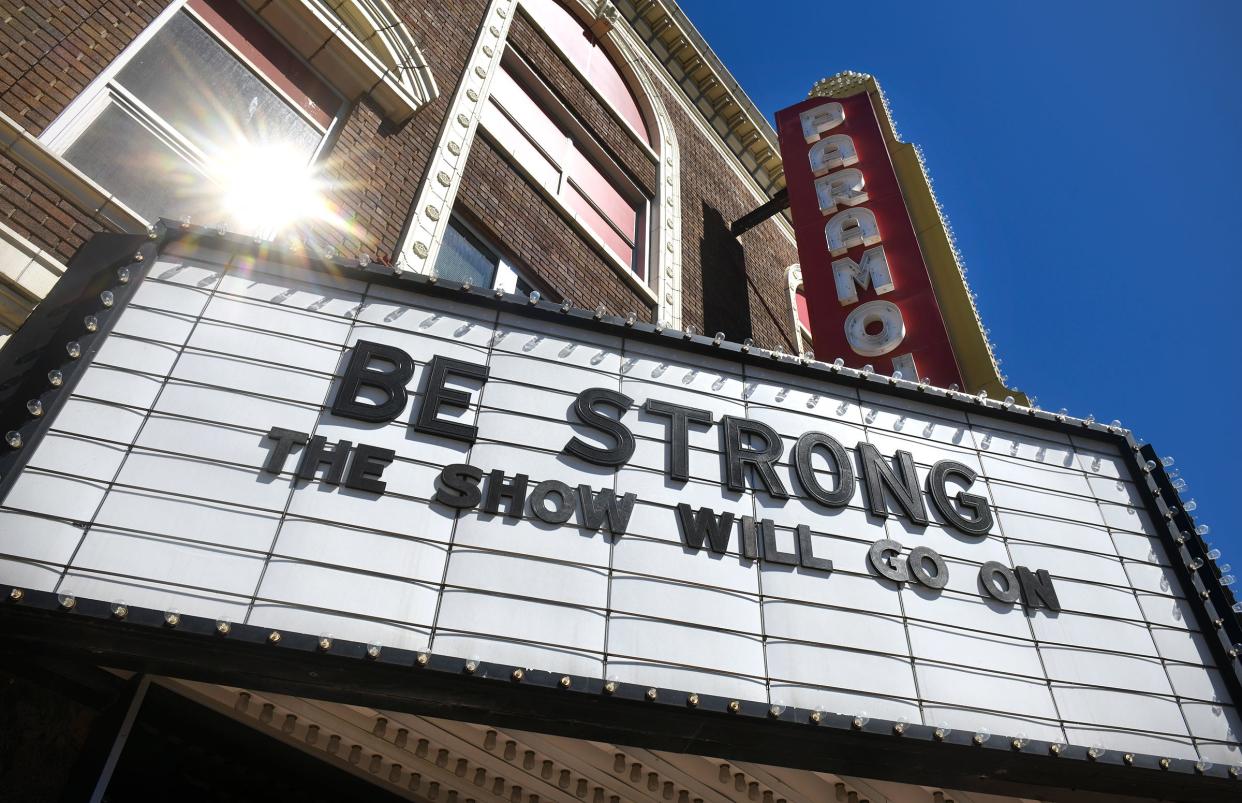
(309, 460)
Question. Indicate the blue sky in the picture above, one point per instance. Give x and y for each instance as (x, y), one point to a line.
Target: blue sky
(1087, 154)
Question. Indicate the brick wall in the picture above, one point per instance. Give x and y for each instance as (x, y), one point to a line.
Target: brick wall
(515, 215)
(51, 49)
(731, 285)
(374, 171)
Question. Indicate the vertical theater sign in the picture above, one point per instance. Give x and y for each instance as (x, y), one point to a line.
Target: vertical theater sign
(232, 464)
(881, 281)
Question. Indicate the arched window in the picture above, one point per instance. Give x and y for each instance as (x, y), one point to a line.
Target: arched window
(559, 154)
(580, 48)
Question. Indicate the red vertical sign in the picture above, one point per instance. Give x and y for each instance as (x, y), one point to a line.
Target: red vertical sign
(868, 291)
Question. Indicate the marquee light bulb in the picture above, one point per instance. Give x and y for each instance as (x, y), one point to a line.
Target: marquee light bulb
(981, 736)
(91, 323)
(74, 349)
(1007, 403)
(1150, 465)
(106, 298)
(122, 275)
(13, 438)
(868, 368)
(34, 407)
(1167, 461)
(534, 297)
(1237, 607)
(1203, 529)
(1190, 506)
(55, 378)
(1213, 554)
(1228, 580)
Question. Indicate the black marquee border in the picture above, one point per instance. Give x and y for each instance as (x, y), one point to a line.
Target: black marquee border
(41, 623)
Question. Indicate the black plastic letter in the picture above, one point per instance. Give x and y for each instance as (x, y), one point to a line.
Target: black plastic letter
(680, 418)
(1037, 590)
(992, 575)
(771, 552)
(437, 395)
(358, 375)
(806, 473)
(285, 439)
(879, 475)
(916, 565)
(367, 466)
(977, 524)
(604, 506)
(317, 452)
(805, 556)
(885, 558)
(737, 456)
(459, 486)
(694, 526)
(584, 406)
(499, 488)
(562, 509)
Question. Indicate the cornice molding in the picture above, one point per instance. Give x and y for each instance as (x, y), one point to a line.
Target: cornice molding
(691, 64)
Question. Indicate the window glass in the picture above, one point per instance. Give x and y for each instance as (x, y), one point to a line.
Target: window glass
(522, 122)
(188, 78)
(462, 257)
(804, 312)
(210, 117)
(125, 156)
(581, 50)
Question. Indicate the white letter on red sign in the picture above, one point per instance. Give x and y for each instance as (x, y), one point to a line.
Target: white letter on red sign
(873, 273)
(886, 321)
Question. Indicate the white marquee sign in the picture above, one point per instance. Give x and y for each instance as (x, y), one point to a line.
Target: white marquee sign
(1014, 584)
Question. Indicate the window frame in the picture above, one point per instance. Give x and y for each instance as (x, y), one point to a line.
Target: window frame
(590, 148)
(105, 90)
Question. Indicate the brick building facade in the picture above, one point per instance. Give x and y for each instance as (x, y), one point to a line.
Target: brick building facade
(711, 156)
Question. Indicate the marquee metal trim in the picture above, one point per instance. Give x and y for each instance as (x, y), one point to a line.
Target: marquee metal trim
(203, 649)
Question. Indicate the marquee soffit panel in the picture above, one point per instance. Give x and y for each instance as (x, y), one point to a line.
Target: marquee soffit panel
(361, 45)
(101, 282)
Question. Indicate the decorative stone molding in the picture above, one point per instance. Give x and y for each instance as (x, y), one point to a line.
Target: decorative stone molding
(606, 17)
(420, 243)
(27, 273)
(362, 46)
(707, 84)
(664, 261)
(70, 183)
